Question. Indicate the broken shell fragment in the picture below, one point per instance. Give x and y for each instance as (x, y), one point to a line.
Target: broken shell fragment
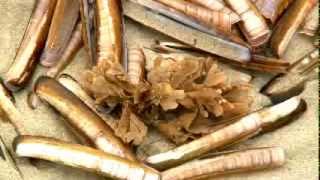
(33, 41)
(227, 163)
(253, 25)
(82, 157)
(289, 24)
(68, 54)
(79, 116)
(63, 22)
(238, 131)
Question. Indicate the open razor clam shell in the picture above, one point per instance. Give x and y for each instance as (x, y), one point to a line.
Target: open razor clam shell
(195, 38)
(283, 86)
(292, 83)
(78, 115)
(227, 163)
(289, 24)
(74, 45)
(240, 130)
(82, 157)
(103, 27)
(63, 22)
(30, 46)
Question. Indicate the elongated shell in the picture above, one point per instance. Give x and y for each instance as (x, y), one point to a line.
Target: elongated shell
(257, 63)
(103, 30)
(81, 117)
(63, 22)
(30, 47)
(82, 157)
(289, 24)
(217, 5)
(188, 21)
(234, 162)
(253, 25)
(243, 129)
(211, 18)
(193, 34)
(109, 30)
(69, 52)
(136, 65)
(72, 85)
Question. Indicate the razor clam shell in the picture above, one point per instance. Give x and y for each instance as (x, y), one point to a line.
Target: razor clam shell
(227, 163)
(31, 44)
(187, 35)
(74, 45)
(78, 115)
(82, 157)
(289, 24)
(63, 22)
(241, 130)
